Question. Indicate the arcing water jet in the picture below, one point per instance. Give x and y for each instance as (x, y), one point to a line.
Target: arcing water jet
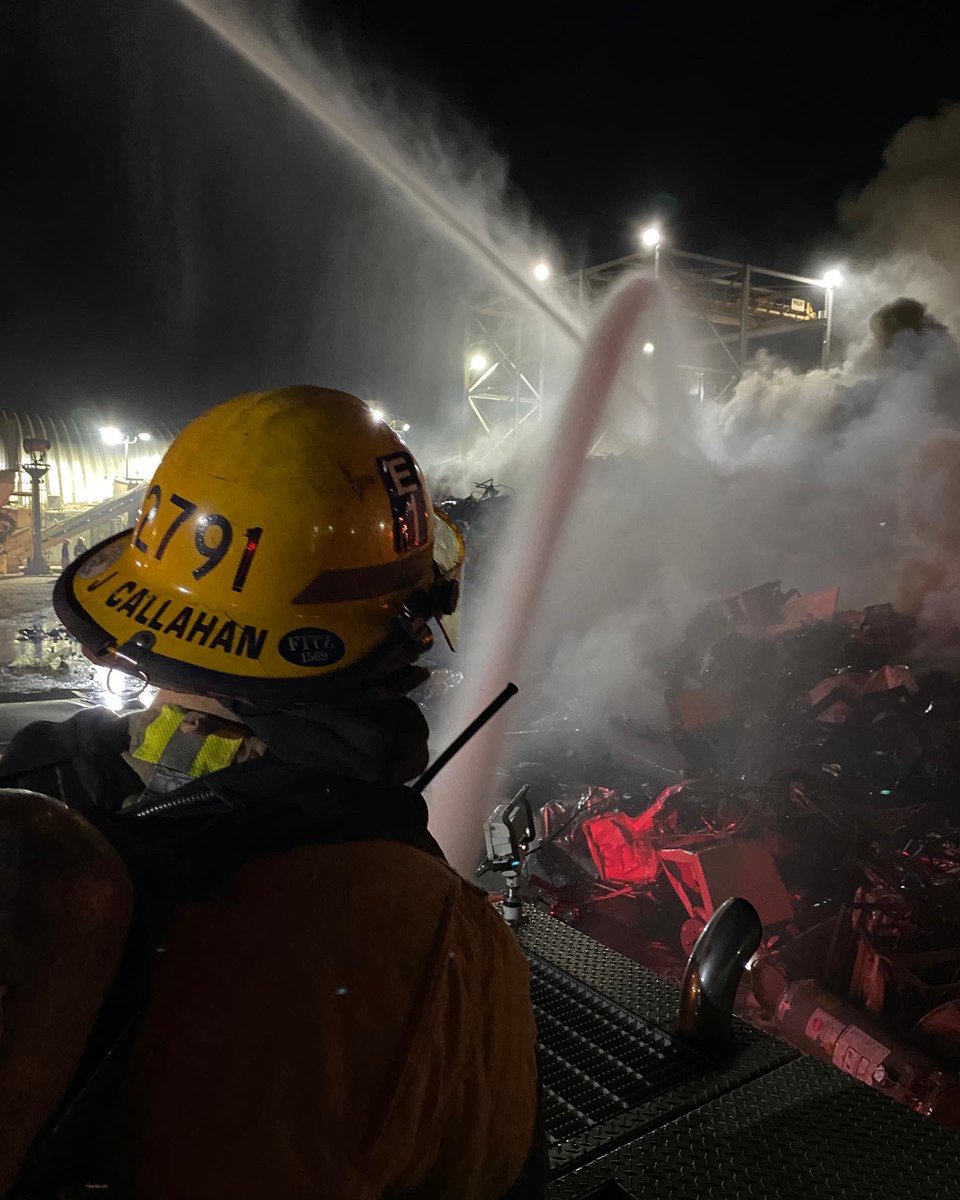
(372, 148)
(464, 791)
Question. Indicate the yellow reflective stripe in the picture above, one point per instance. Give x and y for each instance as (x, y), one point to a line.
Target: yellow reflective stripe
(158, 733)
(215, 754)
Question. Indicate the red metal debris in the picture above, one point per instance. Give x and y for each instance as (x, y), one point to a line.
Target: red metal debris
(830, 805)
(621, 846)
(700, 708)
(800, 611)
(706, 875)
(836, 695)
(768, 612)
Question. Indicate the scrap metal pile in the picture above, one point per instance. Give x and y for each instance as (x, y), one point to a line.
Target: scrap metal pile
(821, 783)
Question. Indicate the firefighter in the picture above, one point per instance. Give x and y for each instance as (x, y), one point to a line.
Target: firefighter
(331, 1010)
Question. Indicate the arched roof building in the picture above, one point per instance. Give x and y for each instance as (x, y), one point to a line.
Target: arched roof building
(82, 466)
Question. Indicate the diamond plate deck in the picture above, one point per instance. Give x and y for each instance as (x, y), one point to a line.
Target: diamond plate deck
(585, 1115)
(760, 1122)
(801, 1131)
(620, 978)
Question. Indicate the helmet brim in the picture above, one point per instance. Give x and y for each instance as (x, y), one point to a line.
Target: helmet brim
(79, 583)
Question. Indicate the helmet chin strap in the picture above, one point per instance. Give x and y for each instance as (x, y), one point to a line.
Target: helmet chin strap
(446, 636)
(115, 659)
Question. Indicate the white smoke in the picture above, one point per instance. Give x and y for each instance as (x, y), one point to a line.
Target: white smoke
(906, 222)
(844, 475)
(799, 477)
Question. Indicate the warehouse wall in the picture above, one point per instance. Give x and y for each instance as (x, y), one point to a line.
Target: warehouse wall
(82, 468)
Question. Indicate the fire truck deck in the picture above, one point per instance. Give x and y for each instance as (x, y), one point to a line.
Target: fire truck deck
(632, 1112)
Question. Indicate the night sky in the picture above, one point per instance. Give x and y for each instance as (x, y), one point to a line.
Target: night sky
(739, 125)
(738, 129)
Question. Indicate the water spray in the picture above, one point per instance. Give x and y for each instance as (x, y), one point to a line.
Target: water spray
(457, 805)
(457, 822)
(369, 145)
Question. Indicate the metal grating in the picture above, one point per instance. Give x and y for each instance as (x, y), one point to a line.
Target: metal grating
(597, 1060)
(758, 1122)
(627, 982)
(614, 987)
(801, 1131)
(610, 975)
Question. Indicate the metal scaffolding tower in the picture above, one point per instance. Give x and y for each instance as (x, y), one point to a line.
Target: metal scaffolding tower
(505, 360)
(726, 307)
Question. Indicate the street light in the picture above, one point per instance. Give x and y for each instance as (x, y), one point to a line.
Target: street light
(832, 279)
(36, 468)
(541, 272)
(110, 435)
(478, 362)
(650, 237)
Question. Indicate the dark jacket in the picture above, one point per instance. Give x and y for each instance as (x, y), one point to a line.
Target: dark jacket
(333, 1011)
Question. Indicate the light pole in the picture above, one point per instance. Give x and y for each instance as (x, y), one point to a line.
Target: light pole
(36, 468)
(110, 435)
(650, 237)
(832, 279)
(395, 423)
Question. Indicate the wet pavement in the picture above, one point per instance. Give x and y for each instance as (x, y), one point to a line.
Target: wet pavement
(37, 655)
(35, 652)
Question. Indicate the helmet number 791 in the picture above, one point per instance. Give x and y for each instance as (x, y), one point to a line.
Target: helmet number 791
(212, 547)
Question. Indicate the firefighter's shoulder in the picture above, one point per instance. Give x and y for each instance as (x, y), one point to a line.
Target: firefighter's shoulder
(381, 1002)
(409, 906)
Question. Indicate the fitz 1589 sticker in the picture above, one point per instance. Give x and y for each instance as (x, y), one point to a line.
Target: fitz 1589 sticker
(311, 647)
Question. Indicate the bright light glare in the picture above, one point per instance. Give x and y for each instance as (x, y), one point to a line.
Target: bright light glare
(144, 437)
(110, 435)
(478, 362)
(648, 347)
(377, 414)
(405, 428)
(650, 236)
(114, 689)
(541, 272)
(832, 278)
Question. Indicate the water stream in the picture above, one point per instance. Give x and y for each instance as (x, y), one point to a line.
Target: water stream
(369, 144)
(462, 794)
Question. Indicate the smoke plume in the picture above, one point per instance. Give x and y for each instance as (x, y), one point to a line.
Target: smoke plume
(905, 224)
(848, 475)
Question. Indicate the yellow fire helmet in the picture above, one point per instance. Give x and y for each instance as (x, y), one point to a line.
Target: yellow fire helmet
(287, 549)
